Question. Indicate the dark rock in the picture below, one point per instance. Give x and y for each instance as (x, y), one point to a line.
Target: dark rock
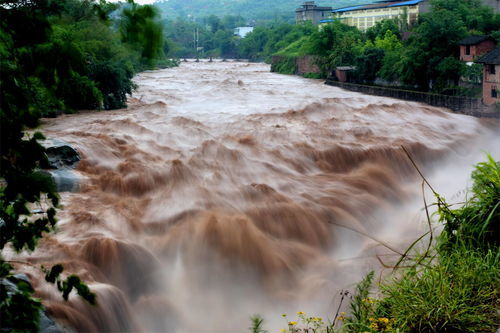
(54, 113)
(62, 159)
(47, 325)
(60, 154)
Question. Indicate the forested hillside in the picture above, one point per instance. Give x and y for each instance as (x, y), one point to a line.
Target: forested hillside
(249, 9)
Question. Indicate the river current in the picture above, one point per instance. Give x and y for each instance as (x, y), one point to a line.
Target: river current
(224, 190)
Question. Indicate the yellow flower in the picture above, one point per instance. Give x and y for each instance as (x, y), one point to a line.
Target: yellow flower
(368, 300)
(282, 330)
(384, 320)
(292, 323)
(371, 319)
(301, 313)
(374, 326)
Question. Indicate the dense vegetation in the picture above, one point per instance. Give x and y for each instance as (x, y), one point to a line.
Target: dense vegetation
(452, 286)
(427, 60)
(215, 37)
(423, 57)
(56, 55)
(257, 10)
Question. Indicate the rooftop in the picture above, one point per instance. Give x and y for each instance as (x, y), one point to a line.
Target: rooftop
(473, 40)
(490, 58)
(310, 5)
(382, 4)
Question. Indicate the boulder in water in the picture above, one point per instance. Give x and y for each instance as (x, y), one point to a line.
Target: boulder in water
(63, 158)
(60, 154)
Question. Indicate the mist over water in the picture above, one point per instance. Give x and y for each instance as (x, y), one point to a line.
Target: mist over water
(224, 190)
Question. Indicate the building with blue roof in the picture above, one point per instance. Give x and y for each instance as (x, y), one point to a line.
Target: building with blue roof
(366, 16)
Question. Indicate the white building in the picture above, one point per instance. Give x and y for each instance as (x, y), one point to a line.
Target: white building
(242, 31)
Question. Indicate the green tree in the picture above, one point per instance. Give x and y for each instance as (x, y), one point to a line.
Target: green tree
(427, 58)
(380, 29)
(140, 27)
(53, 55)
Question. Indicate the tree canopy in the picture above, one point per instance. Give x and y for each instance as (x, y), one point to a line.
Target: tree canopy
(56, 55)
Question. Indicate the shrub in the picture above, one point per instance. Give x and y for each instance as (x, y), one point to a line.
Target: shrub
(457, 294)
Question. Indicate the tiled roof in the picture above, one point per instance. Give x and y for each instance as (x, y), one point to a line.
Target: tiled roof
(490, 58)
(473, 40)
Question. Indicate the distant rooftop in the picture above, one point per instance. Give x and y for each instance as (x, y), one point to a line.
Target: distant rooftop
(490, 58)
(378, 4)
(311, 5)
(473, 40)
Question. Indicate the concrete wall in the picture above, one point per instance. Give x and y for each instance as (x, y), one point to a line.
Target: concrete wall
(313, 15)
(307, 64)
(303, 65)
(465, 105)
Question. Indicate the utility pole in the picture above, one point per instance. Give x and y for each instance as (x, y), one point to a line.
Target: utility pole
(196, 38)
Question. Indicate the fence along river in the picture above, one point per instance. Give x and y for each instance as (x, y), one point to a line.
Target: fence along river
(224, 190)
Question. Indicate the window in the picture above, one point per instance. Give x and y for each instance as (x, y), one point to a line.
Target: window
(467, 50)
(493, 92)
(492, 69)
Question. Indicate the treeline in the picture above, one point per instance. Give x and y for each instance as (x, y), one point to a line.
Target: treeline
(209, 36)
(262, 11)
(56, 55)
(77, 54)
(214, 37)
(428, 59)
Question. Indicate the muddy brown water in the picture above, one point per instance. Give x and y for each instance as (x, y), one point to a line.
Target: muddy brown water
(224, 190)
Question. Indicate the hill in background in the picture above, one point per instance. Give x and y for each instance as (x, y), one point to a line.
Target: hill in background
(249, 9)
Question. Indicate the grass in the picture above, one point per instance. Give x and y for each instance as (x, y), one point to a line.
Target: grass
(457, 294)
(452, 287)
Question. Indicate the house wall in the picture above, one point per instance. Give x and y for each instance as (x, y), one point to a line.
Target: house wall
(342, 76)
(364, 19)
(491, 82)
(242, 31)
(476, 50)
(313, 15)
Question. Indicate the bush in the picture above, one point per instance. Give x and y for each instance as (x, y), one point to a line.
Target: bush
(453, 287)
(476, 224)
(285, 65)
(457, 294)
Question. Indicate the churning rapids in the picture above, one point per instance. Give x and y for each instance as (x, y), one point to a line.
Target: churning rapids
(224, 190)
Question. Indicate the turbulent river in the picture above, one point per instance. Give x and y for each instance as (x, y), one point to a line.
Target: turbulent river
(224, 190)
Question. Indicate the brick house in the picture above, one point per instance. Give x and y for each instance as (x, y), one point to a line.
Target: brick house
(491, 76)
(474, 46)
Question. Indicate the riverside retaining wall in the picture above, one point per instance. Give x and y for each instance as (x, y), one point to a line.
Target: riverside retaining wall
(460, 104)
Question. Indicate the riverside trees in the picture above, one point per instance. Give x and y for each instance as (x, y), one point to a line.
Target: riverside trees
(427, 60)
(55, 55)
